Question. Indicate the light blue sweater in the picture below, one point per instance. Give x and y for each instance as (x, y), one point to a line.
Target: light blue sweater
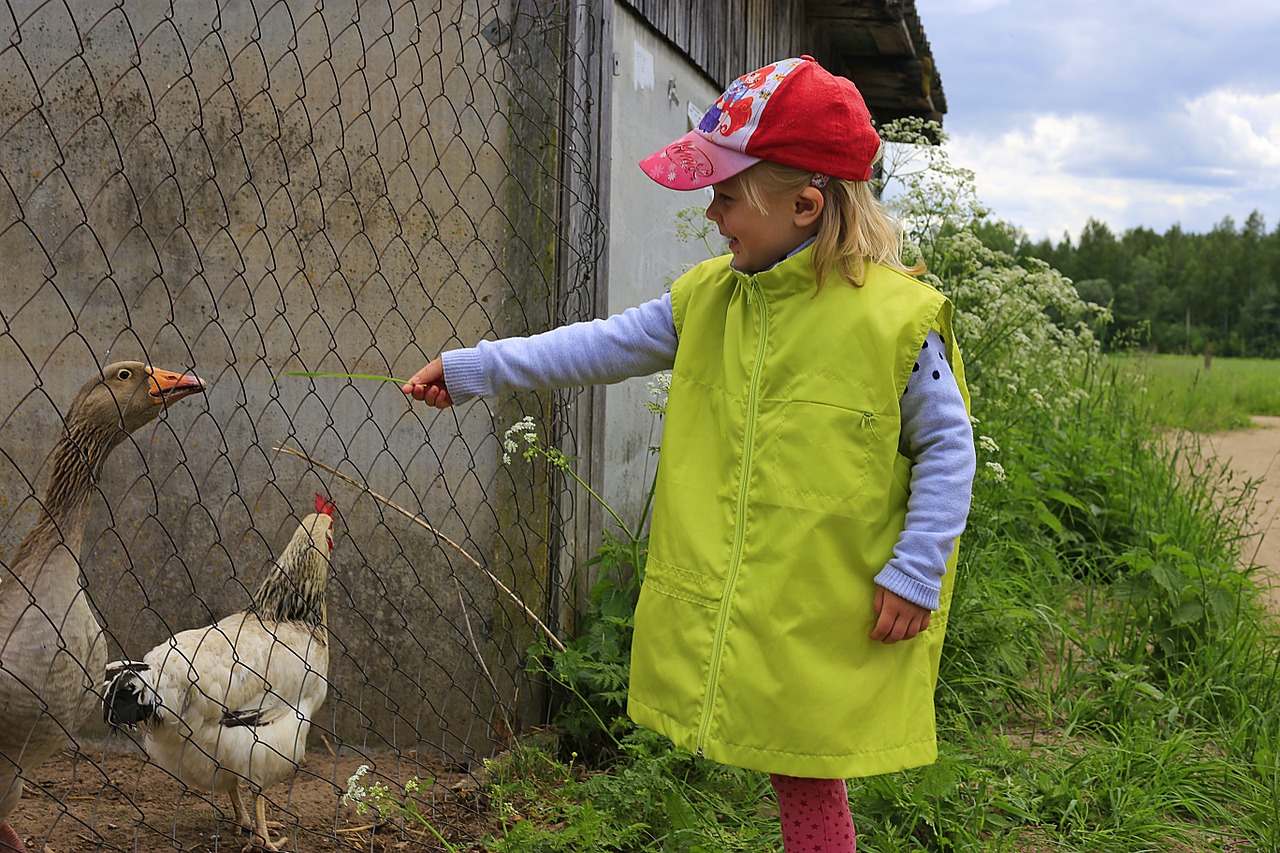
(937, 433)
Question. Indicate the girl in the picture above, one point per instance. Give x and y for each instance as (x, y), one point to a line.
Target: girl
(817, 456)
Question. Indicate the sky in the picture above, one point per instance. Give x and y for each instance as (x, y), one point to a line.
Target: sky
(1137, 113)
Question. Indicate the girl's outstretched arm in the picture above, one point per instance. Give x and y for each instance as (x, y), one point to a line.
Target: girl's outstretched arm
(637, 342)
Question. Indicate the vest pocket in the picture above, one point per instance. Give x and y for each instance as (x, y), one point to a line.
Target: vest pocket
(832, 459)
(701, 588)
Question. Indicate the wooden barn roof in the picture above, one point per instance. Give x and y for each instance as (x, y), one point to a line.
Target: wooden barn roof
(879, 44)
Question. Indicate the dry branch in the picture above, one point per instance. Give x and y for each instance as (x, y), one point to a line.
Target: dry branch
(418, 520)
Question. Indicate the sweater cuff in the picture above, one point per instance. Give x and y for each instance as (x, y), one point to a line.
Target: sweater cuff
(894, 580)
(464, 374)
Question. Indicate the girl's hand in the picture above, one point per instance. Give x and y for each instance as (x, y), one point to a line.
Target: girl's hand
(896, 618)
(428, 385)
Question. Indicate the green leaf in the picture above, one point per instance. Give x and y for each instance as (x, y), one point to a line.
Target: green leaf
(1187, 613)
(1170, 579)
(937, 780)
(1048, 519)
(679, 812)
(1064, 498)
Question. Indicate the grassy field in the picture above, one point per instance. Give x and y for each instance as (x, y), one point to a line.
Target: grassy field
(1182, 393)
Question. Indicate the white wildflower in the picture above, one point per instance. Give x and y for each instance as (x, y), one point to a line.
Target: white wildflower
(659, 388)
(996, 471)
(355, 791)
(380, 794)
(522, 430)
(988, 444)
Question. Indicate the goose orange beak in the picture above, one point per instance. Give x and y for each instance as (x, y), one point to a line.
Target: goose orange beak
(167, 386)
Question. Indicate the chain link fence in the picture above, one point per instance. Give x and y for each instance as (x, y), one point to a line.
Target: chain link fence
(246, 189)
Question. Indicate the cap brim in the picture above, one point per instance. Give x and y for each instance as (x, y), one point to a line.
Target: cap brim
(693, 162)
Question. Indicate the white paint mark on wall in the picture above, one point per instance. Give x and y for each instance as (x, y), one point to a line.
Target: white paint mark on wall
(642, 71)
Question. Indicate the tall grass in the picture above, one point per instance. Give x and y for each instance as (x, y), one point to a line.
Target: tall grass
(1109, 682)
(1131, 671)
(1181, 392)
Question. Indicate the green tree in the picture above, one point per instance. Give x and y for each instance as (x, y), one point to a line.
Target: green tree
(1099, 254)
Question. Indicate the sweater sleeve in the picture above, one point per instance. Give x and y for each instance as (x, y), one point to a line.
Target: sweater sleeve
(637, 342)
(939, 440)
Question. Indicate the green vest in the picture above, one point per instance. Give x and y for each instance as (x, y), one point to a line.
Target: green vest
(780, 495)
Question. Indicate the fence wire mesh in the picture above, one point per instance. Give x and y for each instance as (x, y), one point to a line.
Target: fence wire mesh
(247, 189)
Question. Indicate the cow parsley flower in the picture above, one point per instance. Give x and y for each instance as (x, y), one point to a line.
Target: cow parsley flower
(355, 791)
(659, 388)
(522, 430)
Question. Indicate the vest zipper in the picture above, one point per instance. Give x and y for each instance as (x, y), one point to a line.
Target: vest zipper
(739, 530)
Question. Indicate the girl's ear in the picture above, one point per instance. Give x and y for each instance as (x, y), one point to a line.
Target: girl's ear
(808, 207)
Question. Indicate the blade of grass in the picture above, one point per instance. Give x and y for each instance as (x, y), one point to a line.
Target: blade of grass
(324, 375)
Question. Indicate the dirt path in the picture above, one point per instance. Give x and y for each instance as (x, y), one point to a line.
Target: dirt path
(1255, 453)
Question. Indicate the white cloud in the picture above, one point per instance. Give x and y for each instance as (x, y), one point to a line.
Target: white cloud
(1045, 179)
(1148, 113)
(1239, 131)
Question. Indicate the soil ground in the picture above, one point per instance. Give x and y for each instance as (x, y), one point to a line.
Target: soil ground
(1255, 454)
(111, 798)
(108, 797)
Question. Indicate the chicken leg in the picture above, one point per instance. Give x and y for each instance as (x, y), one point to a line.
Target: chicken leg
(260, 837)
(243, 818)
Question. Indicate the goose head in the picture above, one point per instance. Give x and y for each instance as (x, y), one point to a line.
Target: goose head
(130, 394)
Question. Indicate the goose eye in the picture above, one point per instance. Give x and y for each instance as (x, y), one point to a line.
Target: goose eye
(124, 374)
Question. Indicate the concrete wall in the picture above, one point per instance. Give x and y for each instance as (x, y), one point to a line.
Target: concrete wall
(327, 187)
(644, 255)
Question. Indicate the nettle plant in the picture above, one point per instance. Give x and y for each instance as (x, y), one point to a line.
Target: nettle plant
(591, 672)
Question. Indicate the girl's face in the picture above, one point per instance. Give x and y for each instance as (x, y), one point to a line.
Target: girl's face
(757, 240)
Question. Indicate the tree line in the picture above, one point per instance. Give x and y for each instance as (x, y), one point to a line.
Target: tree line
(1173, 292)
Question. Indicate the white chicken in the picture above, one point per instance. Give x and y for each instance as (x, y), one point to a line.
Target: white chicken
(234, 701)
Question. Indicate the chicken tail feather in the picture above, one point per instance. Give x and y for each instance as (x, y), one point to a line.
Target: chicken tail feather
(128, 699)
(250, 717)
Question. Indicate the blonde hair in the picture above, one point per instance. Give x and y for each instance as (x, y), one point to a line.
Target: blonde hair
(854, 228)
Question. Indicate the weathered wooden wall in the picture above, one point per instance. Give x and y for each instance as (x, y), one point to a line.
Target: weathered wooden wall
(726, 38)
(879, 44)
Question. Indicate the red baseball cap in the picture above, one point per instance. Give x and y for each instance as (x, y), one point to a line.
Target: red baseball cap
(793, 112)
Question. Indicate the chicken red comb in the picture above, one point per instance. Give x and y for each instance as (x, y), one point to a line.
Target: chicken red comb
(324, 505)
